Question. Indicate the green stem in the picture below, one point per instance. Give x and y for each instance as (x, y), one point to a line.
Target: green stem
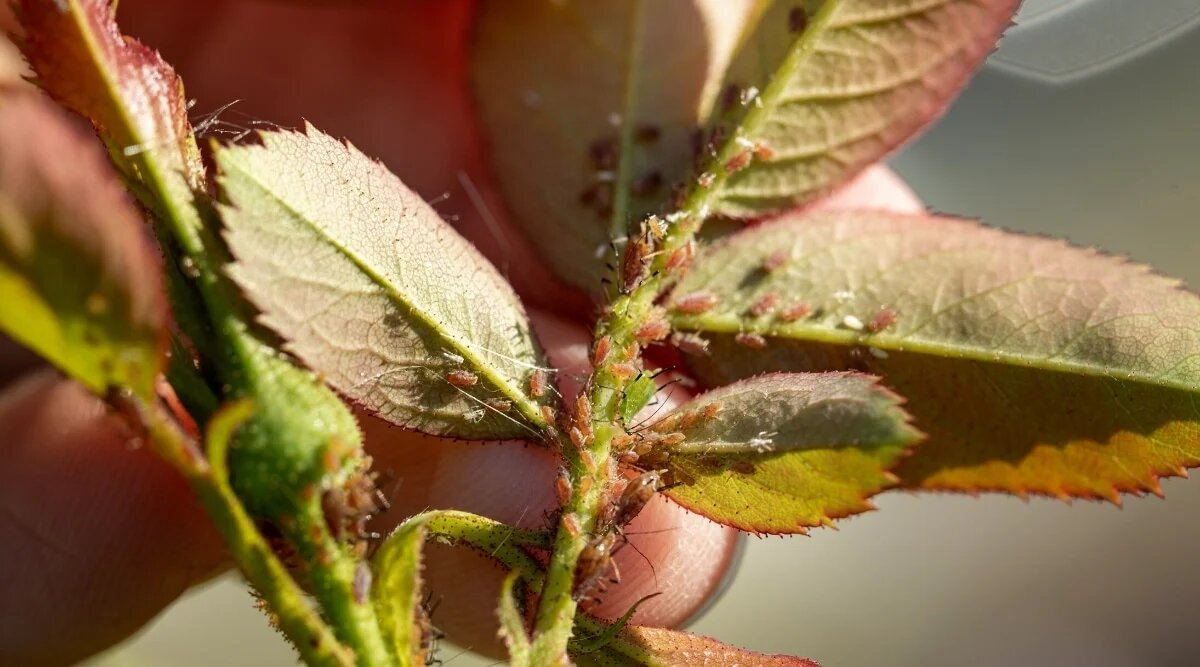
(331, 575)
(296, 619)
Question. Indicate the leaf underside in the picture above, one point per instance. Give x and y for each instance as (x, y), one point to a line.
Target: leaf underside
(374, 291)
(590, 109)
(79, 283)
(783, 452)
(1034, 366)
(859, 79)
(658, 647)
(593, 111)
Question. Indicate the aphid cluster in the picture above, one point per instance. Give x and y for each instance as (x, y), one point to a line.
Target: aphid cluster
(595, 560)
(348, 508)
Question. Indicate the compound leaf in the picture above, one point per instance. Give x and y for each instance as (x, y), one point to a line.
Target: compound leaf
(79, 283)
(1034, 366)
(373, 290)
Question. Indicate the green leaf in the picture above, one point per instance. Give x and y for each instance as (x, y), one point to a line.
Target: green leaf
(370, 288)
(659, 647)
(782, 452)
(1035, 367)
(589, 109)
(79, 284)
(396, 592)
(821, 89)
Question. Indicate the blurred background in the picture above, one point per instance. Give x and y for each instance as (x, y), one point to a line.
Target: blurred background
(1085, 124)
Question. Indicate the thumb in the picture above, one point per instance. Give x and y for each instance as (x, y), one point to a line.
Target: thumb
(98, 535)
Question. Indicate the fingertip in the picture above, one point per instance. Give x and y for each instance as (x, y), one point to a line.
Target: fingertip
(876, 188)
(681, 556)
(93, 527)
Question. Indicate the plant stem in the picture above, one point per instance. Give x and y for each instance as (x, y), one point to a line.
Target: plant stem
(294, 615)
(331, 575)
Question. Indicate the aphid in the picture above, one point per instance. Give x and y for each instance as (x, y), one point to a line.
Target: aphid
(681, 257)
(738, 162)
(690, 343)
(548, 415)
(594, 561)
(589, 462)
(583, 412)
(712, 409)
(852, 322)
(362, 582)
(653, 330)
(881, 320)
(776, 260)
(687, 419)
(706, 179)
(537, 383)
(634, 267)
(743, 467)
(646, 184)
(646, 134)
(695, 303)
(499, 404)
(562, 486)
(636, 396)
(577, 437)
(603, 153)
(750, 340)
(797, 19)
(461, 378)
(795, 312)
(623, 371)
(765, 304)
(621, 441)
(671, 439)
(600, 351)
(763, 151)
(637, 493)
(347, 508)
(571, 524)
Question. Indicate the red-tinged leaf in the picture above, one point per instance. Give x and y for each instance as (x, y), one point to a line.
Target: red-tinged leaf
(79, 284)
(824, 88)
(129, 93)
(659, 647)
(783, 452)
(1033, 366)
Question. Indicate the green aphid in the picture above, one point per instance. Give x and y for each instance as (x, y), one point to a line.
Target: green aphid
(637, 396)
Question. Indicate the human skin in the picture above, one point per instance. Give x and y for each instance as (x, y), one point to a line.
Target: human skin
(99, 535)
